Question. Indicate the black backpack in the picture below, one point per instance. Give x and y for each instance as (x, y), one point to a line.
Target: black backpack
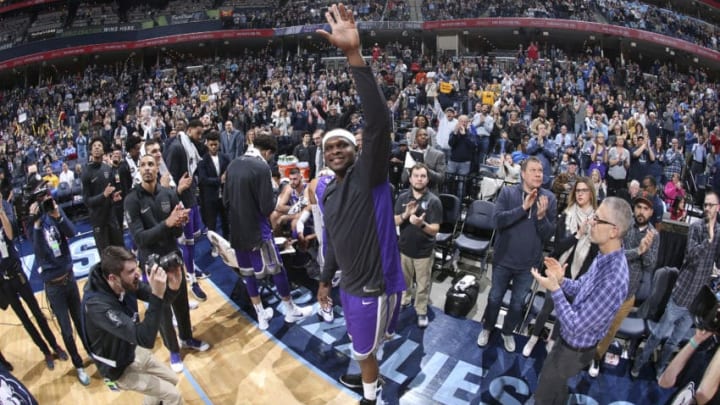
(461, 296)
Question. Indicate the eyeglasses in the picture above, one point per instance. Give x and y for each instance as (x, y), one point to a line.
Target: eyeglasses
(582, 190)
(709, 205)
(597, 220)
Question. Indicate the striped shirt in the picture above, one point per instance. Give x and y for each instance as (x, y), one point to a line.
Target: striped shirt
(598, 295)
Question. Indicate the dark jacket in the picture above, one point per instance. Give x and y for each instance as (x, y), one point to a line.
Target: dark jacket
(145, 214)
(518, 230)
(176, 160)
(209, 178)
(95, 178)
(112, 325)
(462, 147)
(54, 263)
(249, 200)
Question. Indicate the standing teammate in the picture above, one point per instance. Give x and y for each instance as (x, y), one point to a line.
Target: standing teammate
(359, 217)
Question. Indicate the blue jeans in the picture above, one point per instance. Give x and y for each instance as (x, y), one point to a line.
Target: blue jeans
(675, 323)
(501, 278)
(64, 301)
(462, 169)
(483, 148)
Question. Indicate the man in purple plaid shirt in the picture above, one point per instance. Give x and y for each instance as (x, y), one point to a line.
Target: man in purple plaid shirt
(598, 295)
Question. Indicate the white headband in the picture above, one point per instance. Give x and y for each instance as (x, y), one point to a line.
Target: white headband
(339, 132)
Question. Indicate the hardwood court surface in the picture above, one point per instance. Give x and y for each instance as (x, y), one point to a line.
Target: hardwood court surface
(243, 366)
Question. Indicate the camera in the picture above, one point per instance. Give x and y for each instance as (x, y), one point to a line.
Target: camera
(47, 205)
(169, 261)
(705, 309)
(34, 190)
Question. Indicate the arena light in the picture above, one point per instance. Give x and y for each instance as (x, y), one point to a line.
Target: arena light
(633, 44)
(545, 33)
(695, 59)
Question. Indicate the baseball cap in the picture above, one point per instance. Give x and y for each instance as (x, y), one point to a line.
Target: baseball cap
(642, 199)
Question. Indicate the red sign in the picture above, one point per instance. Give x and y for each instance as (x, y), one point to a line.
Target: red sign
(130, 45)
(570, 25)
(29, 3)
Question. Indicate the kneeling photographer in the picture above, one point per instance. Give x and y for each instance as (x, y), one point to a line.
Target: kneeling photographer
(50, 235)
(155, 218)
(695, 369)
(119, 341)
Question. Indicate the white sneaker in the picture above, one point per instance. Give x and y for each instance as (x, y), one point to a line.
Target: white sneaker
(509, 343)
(82, 376)
(529, 346)
(327, 314)
(549, 345)
(264, 317)
(176, 363)
(594, 369)
(298, 314)
(192, 304)
(483, 338)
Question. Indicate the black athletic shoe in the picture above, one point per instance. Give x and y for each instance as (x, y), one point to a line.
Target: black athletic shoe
(366, 401)
(6, 364)
(354, 381)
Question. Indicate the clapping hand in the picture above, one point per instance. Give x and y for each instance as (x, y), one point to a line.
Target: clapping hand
(542, 206)
(529, 199)
(158, 281)
(184, 183)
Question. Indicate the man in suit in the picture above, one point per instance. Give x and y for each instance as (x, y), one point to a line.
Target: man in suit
(317, 161)
(433, 159)
(211, 172)
(232, 141)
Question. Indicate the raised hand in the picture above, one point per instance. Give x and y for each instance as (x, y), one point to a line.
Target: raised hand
(344, 33)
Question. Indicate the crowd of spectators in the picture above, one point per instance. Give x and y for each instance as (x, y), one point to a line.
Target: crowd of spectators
(54, 20)
(579, 110)
(597, 100)
(646, 17)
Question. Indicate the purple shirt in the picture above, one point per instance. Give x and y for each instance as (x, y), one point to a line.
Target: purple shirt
(598, 295)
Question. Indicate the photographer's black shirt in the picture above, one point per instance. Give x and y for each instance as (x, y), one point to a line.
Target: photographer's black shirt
(414, 241)
(689, 379)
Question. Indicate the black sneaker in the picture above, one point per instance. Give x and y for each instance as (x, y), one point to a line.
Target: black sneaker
(6, 364)
(366, 401)
(354, 381)
(49, 362)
